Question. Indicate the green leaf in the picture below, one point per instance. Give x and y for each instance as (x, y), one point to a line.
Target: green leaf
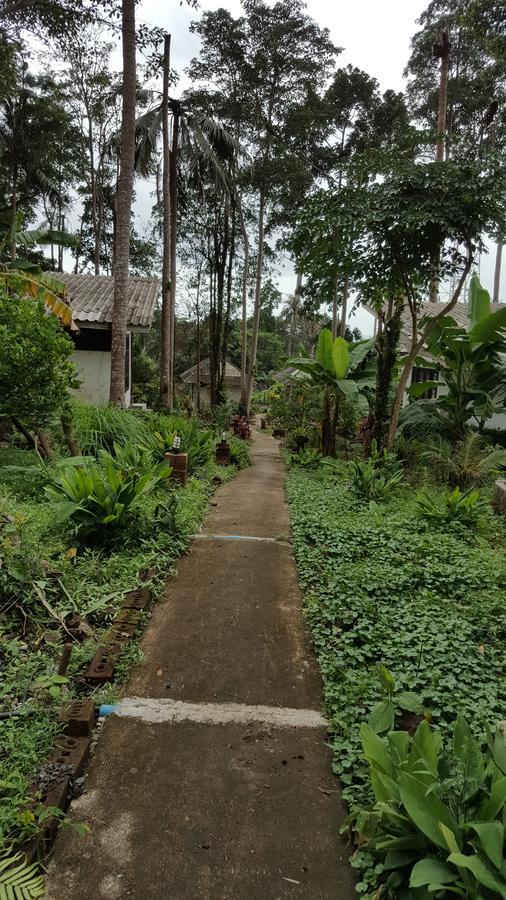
(426, 746)
(479, 300)
(358, 352)
(410, 701)
(419, 387)
(431, 871)
(426, 811)
(19, 881)
(375, 749)
(491, 835)
(490, 327)
(449, 838)
(396, 859)
(481, 872)
(324, 350)
(386, 678)
(64, 510)
(496, 801)
(468, 752)
(340, 357)
(382, 717)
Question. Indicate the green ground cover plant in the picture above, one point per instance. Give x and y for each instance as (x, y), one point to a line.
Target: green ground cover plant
(385, 586)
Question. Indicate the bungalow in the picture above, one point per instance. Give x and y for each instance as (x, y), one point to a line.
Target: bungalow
(232, 381)
(461, 316)
(91, 300)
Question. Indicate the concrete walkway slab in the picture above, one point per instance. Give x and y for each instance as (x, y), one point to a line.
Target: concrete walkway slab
(230, 630)
(219, 790)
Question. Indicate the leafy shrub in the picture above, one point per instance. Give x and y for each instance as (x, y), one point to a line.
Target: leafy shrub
(294, 406)
(370, 482)
(464, 507)
(97, 498)
(131, 459)
(100, 427)
(199, 444)
(35, 371)
(239, 453)
(437, 825)
(470, 461)
(308, 459)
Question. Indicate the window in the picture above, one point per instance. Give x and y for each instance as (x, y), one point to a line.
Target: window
(420, 374)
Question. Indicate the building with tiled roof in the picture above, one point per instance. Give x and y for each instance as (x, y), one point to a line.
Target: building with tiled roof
(91, 300)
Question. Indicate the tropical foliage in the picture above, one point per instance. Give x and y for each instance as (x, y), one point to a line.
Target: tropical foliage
(35, 372)
(470, 363)
(437, 825)
(344, 376)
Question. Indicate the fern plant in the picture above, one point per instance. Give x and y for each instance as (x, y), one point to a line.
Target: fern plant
(19, 881)
(471, 461)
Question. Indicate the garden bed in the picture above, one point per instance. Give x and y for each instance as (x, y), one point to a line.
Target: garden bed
(384, 586)
(56, 588)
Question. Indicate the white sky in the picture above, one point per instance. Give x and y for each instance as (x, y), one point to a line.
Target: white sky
(374, 34)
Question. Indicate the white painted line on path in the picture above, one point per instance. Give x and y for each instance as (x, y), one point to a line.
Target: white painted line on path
(160, 710)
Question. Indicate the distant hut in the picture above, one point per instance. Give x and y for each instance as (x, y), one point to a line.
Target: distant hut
(232, 381)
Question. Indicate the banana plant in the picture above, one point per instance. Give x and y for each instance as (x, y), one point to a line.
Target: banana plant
(28, 277)
(342, 371)
(471, 364)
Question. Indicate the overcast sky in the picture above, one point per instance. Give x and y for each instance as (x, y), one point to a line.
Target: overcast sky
(375, 36)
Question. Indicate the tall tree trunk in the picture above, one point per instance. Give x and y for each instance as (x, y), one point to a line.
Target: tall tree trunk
(497, 271)
(174, 159)
(293, 314)
(244, 324)
(335, 299)
(199, 341)
(124, 208)
(444, 51)
(230, 269)
(165, 330)
(344, 308)
(14, 209)
(386, 344)
(258, 297)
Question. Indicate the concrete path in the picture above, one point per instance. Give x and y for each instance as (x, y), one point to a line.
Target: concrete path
(214, 781)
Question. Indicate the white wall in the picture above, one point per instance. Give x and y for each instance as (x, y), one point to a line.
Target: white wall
(94, 372)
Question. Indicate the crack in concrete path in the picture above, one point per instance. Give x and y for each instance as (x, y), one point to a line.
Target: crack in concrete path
(153, 710)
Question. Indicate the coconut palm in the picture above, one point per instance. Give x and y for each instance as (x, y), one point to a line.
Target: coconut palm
(206, 148)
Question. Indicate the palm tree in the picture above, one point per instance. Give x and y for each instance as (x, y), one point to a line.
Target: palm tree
(123, 207)
(205, 146)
